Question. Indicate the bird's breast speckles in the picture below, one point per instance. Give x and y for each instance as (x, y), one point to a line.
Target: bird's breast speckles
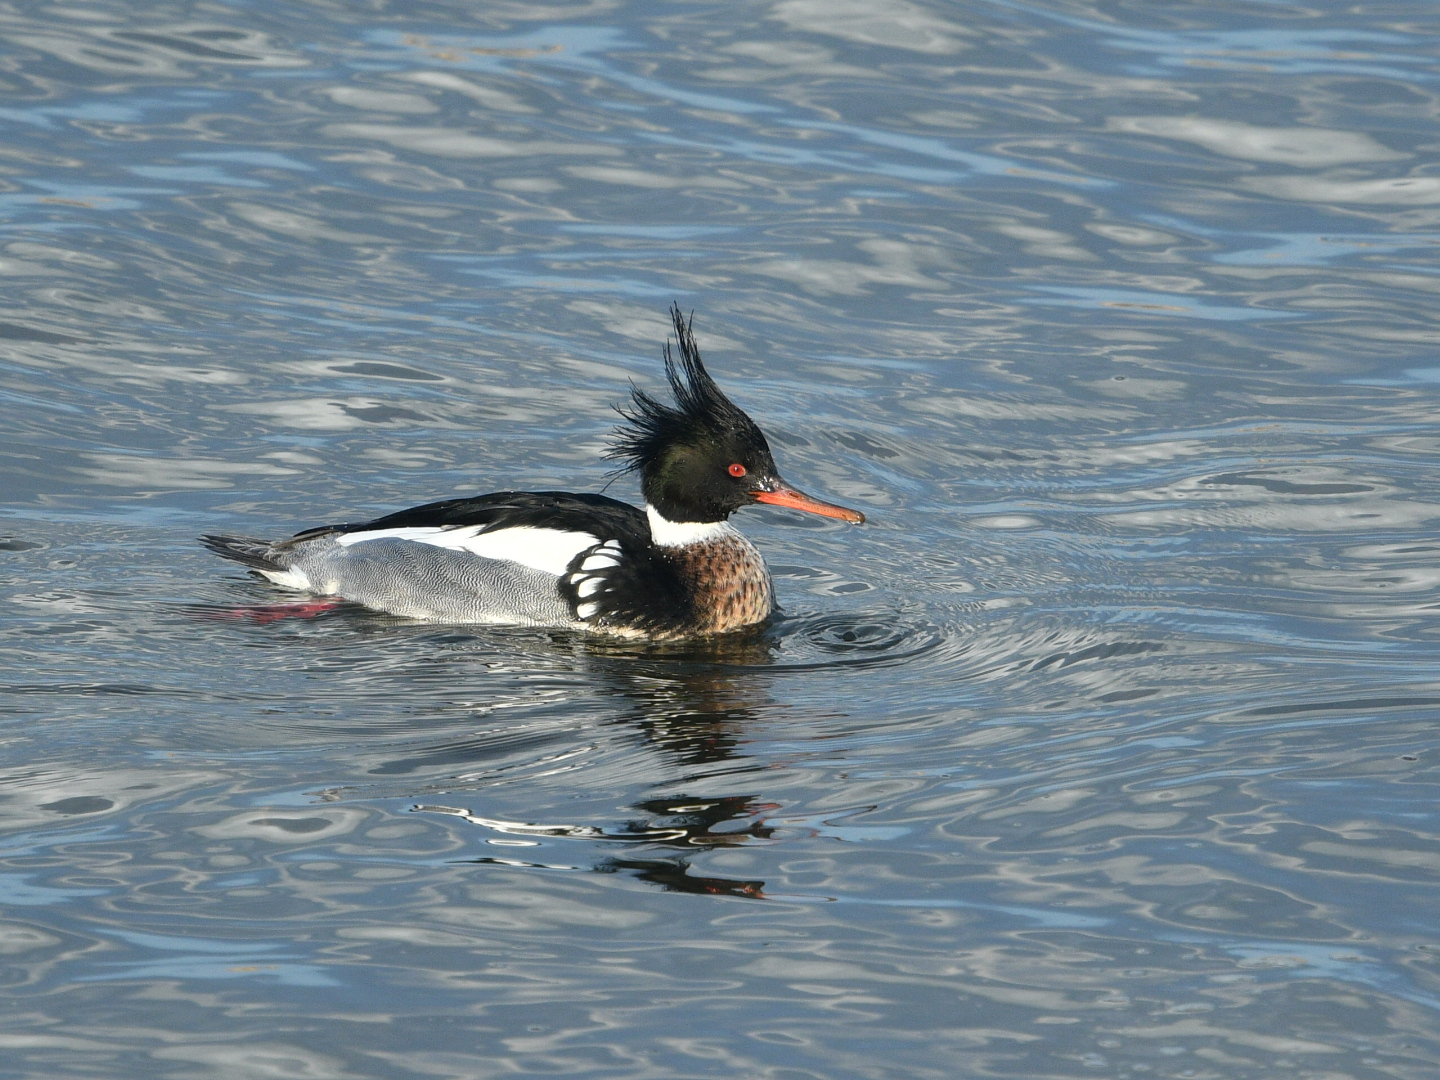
(729, 582)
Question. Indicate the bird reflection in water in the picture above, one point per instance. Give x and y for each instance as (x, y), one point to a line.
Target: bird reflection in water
(677, 823)
(695, 705)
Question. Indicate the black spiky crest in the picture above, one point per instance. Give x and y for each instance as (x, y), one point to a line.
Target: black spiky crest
(702, 416)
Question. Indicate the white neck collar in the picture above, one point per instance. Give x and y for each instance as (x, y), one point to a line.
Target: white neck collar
(667, 533)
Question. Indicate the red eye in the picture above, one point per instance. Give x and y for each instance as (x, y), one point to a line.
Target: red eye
(737, 470)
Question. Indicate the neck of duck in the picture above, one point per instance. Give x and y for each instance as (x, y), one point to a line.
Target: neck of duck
(724, 573)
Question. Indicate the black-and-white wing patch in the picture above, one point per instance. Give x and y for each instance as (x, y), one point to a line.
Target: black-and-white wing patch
(588, 585)
(628, 587)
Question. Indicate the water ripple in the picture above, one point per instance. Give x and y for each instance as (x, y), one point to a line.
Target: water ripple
(1105, 747)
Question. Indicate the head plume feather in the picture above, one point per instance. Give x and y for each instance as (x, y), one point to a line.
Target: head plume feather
(701, 413)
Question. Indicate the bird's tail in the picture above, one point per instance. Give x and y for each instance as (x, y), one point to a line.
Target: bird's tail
(257, 554)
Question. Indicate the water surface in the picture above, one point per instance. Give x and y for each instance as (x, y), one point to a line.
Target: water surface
(1105, 748)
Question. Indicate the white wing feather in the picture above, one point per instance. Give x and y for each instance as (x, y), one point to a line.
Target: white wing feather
(549, 550)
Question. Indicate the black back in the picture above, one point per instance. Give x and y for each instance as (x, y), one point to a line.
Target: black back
(598, 515)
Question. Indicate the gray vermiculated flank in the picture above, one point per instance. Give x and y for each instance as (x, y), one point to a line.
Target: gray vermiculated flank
(421, 581)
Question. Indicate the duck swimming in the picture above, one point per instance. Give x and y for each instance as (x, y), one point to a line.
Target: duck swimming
(675, 569)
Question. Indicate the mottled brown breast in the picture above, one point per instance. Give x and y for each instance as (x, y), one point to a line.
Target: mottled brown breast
(729, 582)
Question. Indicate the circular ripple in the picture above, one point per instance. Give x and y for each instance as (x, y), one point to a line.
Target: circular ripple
(863, 638)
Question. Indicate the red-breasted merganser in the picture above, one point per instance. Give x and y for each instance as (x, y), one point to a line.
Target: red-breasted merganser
(676, 569)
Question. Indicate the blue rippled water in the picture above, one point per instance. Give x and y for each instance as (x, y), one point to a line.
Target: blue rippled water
(1105, 748)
